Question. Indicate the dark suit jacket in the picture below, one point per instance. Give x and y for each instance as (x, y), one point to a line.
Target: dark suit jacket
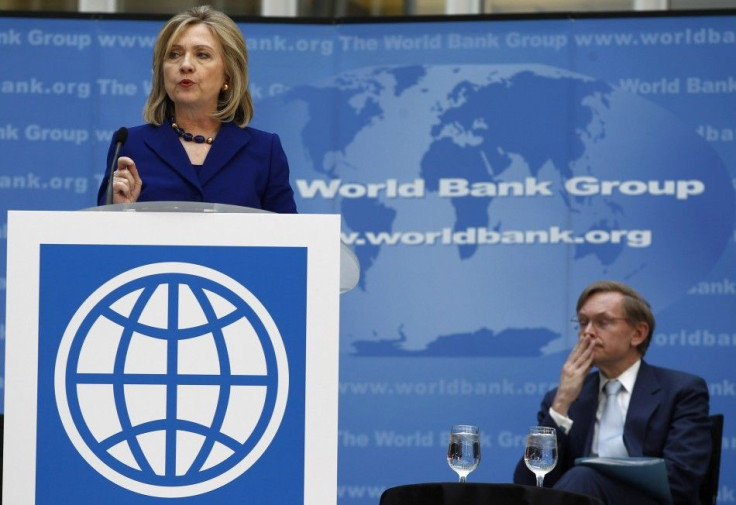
(667, 418)
(244, 166)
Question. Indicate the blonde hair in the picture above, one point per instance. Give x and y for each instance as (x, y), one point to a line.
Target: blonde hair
(235, 103)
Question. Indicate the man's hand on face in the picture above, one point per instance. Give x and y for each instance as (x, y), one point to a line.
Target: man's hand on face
(577, 366)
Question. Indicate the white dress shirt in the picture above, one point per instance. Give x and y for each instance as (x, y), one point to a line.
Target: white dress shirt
(627, 380)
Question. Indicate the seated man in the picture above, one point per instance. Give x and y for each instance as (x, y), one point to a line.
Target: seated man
(664, 412)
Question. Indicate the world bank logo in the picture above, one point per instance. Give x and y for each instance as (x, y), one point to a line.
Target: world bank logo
(171, 379)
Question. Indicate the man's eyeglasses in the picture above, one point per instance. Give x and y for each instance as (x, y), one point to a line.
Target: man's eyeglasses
(601, 323)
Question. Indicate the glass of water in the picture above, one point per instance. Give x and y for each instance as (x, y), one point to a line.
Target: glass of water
(463, 452)
(540, 454)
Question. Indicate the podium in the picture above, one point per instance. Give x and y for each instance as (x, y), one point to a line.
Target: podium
(349, 265)
(178, 351)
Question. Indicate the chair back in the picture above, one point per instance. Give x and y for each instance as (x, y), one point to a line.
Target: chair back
(709, 488)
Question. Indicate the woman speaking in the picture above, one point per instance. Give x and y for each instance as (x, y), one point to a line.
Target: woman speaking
(196, 144)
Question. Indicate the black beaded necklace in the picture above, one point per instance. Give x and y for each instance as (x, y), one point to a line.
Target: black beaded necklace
(190, 137)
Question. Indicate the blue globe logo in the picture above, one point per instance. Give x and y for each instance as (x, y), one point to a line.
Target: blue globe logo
(171, 379)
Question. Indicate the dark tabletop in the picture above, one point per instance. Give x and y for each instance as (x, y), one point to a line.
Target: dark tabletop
(455, 493)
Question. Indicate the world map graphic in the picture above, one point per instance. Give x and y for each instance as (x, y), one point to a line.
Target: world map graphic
(588, 200)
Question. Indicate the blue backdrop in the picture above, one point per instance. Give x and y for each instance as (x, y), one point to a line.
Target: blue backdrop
(486, 171)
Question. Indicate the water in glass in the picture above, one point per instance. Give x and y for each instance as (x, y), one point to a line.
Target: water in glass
(463, 452)
(540, 454)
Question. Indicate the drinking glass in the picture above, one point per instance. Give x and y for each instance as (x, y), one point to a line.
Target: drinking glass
(540, 454)
(463, 453)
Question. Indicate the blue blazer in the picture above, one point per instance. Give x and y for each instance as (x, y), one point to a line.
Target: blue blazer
(244, 166)
(667, 418)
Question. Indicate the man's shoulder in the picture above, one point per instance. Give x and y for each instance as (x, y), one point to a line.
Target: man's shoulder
(671, 375)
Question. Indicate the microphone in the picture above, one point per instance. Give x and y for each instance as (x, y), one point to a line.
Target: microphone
(120, 137)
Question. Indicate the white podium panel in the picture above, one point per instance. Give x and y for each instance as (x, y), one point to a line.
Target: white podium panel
(178, 355)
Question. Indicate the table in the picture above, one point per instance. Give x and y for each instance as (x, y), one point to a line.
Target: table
(455, 493)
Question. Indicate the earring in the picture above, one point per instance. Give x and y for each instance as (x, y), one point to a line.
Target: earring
(225, 87)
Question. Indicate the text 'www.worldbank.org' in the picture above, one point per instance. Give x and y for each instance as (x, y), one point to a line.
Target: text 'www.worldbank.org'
(446, 387)
(485, 236)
